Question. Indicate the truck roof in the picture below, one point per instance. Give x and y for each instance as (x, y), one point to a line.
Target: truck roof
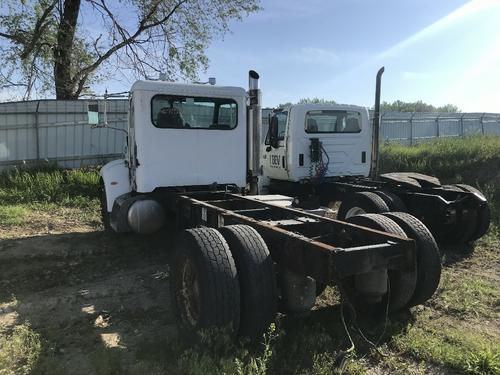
(183, 88)
(311, 106)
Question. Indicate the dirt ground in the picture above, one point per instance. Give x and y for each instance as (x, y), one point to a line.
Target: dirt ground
(89, 293)
(101, 301)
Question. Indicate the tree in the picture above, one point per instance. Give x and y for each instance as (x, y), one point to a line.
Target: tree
(418, 106)
(309, 101)
(62, 46)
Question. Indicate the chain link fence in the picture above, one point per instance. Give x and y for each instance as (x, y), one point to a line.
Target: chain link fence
(410, 128)
(56, 131)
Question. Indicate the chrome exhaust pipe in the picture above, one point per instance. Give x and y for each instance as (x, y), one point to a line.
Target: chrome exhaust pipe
(376, 126)
(254, 129)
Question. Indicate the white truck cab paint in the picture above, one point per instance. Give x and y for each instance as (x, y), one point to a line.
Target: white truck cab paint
(344, 148)
(187, 135)
(115, 176)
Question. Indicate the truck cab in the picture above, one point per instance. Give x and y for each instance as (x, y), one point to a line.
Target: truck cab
(180, 137)
(314, 141)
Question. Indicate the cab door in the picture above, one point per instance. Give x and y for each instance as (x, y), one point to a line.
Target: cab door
(274, 161)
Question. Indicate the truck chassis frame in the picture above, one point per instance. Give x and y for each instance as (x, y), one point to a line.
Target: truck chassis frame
(323, 248)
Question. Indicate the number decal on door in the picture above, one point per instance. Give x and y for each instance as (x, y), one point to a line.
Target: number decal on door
(275, 161)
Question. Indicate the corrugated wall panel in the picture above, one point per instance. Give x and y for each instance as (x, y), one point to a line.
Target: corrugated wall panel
(65, 137)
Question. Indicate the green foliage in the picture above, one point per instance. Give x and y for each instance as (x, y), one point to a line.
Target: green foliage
(418, 106)
(19, 351)
(67, 187)
(314, 100)
(463, 350)
(485, 362)
(46, 45)
(472, 160)
(12, 215)
(467, 297)
(218, 354)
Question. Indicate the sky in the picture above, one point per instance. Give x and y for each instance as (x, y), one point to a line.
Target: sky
(440, 52)
(437, 51)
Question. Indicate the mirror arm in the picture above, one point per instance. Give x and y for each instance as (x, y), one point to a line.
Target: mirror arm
(102, 126)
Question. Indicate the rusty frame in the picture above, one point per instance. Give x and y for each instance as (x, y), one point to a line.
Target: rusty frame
(323, 248)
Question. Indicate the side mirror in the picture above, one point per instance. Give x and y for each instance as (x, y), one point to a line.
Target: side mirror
(273, 132)
(93, 112)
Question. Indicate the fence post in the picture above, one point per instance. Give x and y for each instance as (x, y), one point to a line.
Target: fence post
(411, 128)
(481, 120)
(437, 125)
(37, 133)
(462, 125)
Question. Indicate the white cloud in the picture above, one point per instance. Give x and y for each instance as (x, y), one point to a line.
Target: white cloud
(471, 7)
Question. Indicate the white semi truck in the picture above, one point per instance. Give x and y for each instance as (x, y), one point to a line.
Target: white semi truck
(326, 153)
(193, 155)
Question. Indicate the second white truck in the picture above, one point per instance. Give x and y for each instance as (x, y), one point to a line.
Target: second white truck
(326, 153)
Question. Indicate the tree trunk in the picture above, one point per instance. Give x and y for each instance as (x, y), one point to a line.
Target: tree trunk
(64, 82)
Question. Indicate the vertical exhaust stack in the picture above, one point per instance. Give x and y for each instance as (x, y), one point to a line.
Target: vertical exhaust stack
(254, 126)
(376, 126)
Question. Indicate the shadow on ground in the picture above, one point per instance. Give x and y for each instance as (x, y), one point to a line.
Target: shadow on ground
(100, 301)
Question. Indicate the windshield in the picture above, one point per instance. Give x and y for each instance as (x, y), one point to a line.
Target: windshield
(329, 121)
(193, 112)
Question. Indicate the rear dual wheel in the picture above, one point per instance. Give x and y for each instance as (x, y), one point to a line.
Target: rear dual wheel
(375, 202)
(257, 278)
(483, 214)
(204, 281)
(428, 256)
(406, 288)
(401, 284)
(224, 278)
(361, 203)
(470, 223)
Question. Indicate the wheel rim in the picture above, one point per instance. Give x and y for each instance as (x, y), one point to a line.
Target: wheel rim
(354, 211)
(189, 294)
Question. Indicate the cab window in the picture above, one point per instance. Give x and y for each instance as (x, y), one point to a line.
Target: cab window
(329, 121)
(282, 120)
(182, 112)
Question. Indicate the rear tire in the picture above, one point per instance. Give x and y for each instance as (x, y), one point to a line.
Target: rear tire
(428, 256)
(204, 281)
(401, 283)
(392, 201)
(483, 214)
(256, 274)
(361, 203)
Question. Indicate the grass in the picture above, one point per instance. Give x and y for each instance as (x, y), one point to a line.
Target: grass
(444, 344)
(470, 297)
(447, 158)
(20, 351)
(72, 188)
(24, 194)
(12, 214)
(474, 161)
